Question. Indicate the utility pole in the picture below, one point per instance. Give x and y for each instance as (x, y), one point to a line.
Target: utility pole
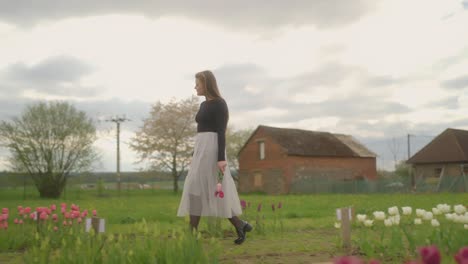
(118, 120)
(413, 183)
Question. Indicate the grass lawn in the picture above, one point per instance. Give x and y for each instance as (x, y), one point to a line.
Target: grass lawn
(303, 231)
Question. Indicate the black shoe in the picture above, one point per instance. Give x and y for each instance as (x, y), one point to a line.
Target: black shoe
(241, 232)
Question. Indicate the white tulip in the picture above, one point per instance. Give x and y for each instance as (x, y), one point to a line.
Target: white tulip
(393, 210)
(450, 217)
(466, 227)
(388, 222)
(464, 219)
(435, 223)
(361, 217)
(428, 216)
(420, 212)
(444, 208)
(338, 225)
(368, 223)
(459, 209)
(407, 210)
(379, 215)
(417, 221)
(436, 211)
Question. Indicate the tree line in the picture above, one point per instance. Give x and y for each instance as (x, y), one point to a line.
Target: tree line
(51, 141)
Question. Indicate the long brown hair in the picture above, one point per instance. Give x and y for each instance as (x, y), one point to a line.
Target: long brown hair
(209, 80)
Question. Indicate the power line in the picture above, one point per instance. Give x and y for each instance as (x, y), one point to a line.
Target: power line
(117, 120)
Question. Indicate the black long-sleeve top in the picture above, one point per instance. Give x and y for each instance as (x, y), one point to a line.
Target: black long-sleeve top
(213, 116)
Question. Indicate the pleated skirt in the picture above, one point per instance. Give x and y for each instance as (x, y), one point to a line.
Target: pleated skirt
(198, 196)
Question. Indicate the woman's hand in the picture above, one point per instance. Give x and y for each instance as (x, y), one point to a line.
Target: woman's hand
(222, 165)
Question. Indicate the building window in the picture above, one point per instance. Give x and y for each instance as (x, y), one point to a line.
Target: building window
(437, 172)
(258, 180)
(261, 147)
(465, 169)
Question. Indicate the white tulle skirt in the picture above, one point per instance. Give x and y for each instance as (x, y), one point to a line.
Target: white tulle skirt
(198, 197)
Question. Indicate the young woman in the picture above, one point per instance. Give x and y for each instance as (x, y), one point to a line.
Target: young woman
(201, 195)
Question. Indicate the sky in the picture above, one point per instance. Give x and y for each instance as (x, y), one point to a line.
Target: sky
(374, 69)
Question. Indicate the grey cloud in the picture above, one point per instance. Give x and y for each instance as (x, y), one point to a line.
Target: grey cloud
(448, 103)
(457, 83)
(241, 15)
(56, 76)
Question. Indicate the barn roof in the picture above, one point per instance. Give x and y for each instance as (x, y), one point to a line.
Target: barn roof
(298, 142)
(451, 146)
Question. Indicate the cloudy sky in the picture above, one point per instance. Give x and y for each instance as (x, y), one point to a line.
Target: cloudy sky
(374, 69)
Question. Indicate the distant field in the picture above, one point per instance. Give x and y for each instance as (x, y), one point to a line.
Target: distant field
(307, 234)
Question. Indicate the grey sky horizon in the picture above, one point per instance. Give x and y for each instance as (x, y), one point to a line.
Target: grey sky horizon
(376, 70)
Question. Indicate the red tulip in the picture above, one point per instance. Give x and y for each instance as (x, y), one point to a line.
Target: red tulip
(243, 204)
(221, 194)
(27, 210)
(462, 256)
(348, 260)
(430, 255)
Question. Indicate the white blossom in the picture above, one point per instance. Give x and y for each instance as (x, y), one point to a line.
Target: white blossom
(407, 210)
(379, 215)
(444, 208)
(368, 223)
(338, 225)
(393, 210)
(417, 221)
(436, 211)
(361, 217)
(428, 216)
(388, 222)
(435, 223)
(459, 209)
(450, 217)
(420, 212)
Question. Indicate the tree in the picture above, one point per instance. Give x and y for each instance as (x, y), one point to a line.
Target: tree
(235, 140)
(166, 138)
(49, 141)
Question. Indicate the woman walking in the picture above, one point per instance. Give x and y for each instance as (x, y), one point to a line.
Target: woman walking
(202, 194)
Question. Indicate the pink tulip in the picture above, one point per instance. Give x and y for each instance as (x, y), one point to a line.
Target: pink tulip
(53, 207)
(348, 260)
(64, 223)
(5, 216)
(21, 212)
(462, 256)
(79, 220)
(33, 216)
(44, 216)
(4, 210)
(221, 194)
(16, 221)
(20, 222)
(20, 208)
(63, 205)
(219, 187)
(27, 210)
(55, 228)
(54, 217)
(94, 212)
(67, 215)
(63, 210)
(1, 218)
(430, 255)
(84, 214)
(243, 204)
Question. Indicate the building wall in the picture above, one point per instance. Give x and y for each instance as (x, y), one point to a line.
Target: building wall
(433, 170)
(278, 171)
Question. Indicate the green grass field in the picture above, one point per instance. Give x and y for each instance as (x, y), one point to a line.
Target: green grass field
(303, 231)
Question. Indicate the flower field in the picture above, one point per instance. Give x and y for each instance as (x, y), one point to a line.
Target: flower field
(141, 227)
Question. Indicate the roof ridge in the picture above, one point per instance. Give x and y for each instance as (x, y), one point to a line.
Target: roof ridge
(457, 141)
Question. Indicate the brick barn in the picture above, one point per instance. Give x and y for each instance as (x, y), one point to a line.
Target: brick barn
(278, 160)
(443, 161)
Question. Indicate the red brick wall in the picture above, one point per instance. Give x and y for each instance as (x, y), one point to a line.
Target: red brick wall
(278, 170)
